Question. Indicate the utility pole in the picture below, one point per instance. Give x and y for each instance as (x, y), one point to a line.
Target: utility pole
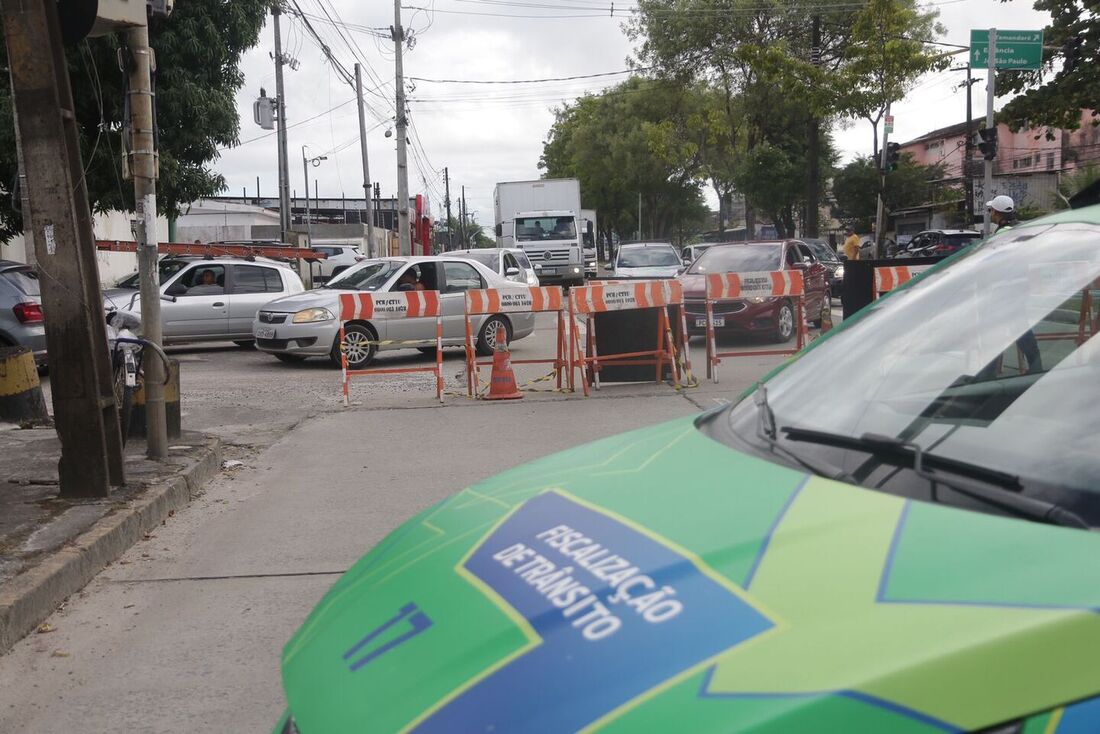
(85, 413)
(813, 152)
(462, 216)
(880, 209)
(143, 167)
(639, 216)
(447, 203)
(404, 242)
(366, 161)
(305, 178)
(284, 160)
(990, 93)
(968, 156)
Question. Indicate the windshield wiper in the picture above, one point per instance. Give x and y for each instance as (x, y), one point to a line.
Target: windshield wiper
(993, 487)
(765, 430)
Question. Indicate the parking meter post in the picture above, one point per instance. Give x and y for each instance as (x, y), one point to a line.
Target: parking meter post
(712, 362)
(344, 363)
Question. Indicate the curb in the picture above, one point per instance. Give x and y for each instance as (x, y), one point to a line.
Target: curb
(31, 597)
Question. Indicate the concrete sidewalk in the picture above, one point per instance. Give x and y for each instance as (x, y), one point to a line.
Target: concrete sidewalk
(51, 547)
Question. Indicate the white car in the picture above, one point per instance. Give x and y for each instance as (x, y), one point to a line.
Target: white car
(338, 258)
(209, 300)
(507, 262)
(646, 260)
(308, 324)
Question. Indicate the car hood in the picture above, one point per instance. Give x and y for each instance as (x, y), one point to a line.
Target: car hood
(119, 298)
(669, 271)
(319, 298)
(661, 581)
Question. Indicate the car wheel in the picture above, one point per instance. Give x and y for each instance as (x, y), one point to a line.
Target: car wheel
(246, 344)
(360, 346)
(487, 335)
(784, 323)
(290, 358)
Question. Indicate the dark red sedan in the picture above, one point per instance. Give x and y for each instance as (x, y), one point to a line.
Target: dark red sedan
(772, 317)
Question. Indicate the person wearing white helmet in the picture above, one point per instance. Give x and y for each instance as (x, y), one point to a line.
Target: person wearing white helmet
(1001, 212)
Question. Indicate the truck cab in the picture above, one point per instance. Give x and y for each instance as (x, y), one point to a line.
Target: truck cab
(553, 243)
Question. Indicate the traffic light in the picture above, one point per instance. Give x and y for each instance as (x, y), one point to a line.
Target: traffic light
(893, 152)
(988, 145)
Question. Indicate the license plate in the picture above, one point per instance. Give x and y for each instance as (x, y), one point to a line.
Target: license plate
(717, 320)
(265, 332)
(549, 271)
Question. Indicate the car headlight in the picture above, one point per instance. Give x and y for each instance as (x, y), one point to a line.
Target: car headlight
(576, 270)
(310, 315)
(759, 299)
(839, 272)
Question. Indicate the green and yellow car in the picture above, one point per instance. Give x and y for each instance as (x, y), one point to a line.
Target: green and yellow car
(894, 532)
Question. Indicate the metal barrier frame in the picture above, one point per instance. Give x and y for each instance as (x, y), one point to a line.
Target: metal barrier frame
(491, 301)
(738, 286)
(392, 307)
(589, 300)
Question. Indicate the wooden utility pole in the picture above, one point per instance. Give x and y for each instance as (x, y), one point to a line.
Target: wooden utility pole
(813, 178)
(85, 413)
(143, 168)
(447, 203)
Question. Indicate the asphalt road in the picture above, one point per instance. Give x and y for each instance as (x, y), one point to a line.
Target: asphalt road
(184, 634)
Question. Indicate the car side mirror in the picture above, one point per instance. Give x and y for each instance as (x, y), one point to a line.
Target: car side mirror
(177, 289)
(511, 272)
(166, 297)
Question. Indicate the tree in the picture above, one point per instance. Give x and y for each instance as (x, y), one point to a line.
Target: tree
(885, 55)
(637, 138)
(855, 188)
(1071, 43)
(1070, 183)
(198, 50)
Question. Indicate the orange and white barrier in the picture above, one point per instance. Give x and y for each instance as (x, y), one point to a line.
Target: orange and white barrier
(388, 307)
(766, 284)
(895, 276)
(587, 301)
(488, 301)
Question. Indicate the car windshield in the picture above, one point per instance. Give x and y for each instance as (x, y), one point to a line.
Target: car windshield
(961, 240)
(988, 361)
(648, 257)
(535, 229)
(738, 259)
(167, 269)
(368, 276)
(824, 252)
(25, 280)
(521, 258)
(488, 259)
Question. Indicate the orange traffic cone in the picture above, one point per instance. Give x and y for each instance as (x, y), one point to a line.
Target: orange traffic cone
(502, 382)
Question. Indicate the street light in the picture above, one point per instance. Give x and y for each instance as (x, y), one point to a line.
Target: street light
(315, 161)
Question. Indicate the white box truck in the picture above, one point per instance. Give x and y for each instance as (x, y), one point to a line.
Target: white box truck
(543, 219)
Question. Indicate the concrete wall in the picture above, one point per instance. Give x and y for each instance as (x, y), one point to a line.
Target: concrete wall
(113, 266)
(208, 220)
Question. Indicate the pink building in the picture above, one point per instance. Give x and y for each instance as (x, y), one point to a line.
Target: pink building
(1027, 151)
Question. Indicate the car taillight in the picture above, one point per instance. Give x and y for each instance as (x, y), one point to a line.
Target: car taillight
(28, 313)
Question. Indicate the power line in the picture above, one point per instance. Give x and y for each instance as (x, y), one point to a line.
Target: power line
(530, 81)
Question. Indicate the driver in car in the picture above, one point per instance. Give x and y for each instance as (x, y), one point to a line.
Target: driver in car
(208, 285)
(409, 278)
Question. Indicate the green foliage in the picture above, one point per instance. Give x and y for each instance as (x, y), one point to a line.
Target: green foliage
(198, 50)
(855, 189)
(1071, 182)
(1055, 99)
(641, 137)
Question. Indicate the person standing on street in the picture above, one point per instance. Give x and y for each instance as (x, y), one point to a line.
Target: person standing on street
(851, 244)
(1002, 212)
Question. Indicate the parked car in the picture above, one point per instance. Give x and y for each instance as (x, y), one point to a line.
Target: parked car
(646, 260)
(867, 247)
(21, 321)
(832, 262)
(938, 242)
(338, 258)
(691, 253)
(772, 317)
(509, 263)
(209, 299)
(307, 324)
(895, 532)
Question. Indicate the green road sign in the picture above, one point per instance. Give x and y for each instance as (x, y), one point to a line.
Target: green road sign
(1015, 49)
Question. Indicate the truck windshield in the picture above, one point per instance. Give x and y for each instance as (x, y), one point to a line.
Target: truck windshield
(536, 229)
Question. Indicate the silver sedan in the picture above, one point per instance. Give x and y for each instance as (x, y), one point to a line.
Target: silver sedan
(307, 325)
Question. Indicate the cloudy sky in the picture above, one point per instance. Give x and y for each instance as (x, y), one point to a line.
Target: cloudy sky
(490, 133)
